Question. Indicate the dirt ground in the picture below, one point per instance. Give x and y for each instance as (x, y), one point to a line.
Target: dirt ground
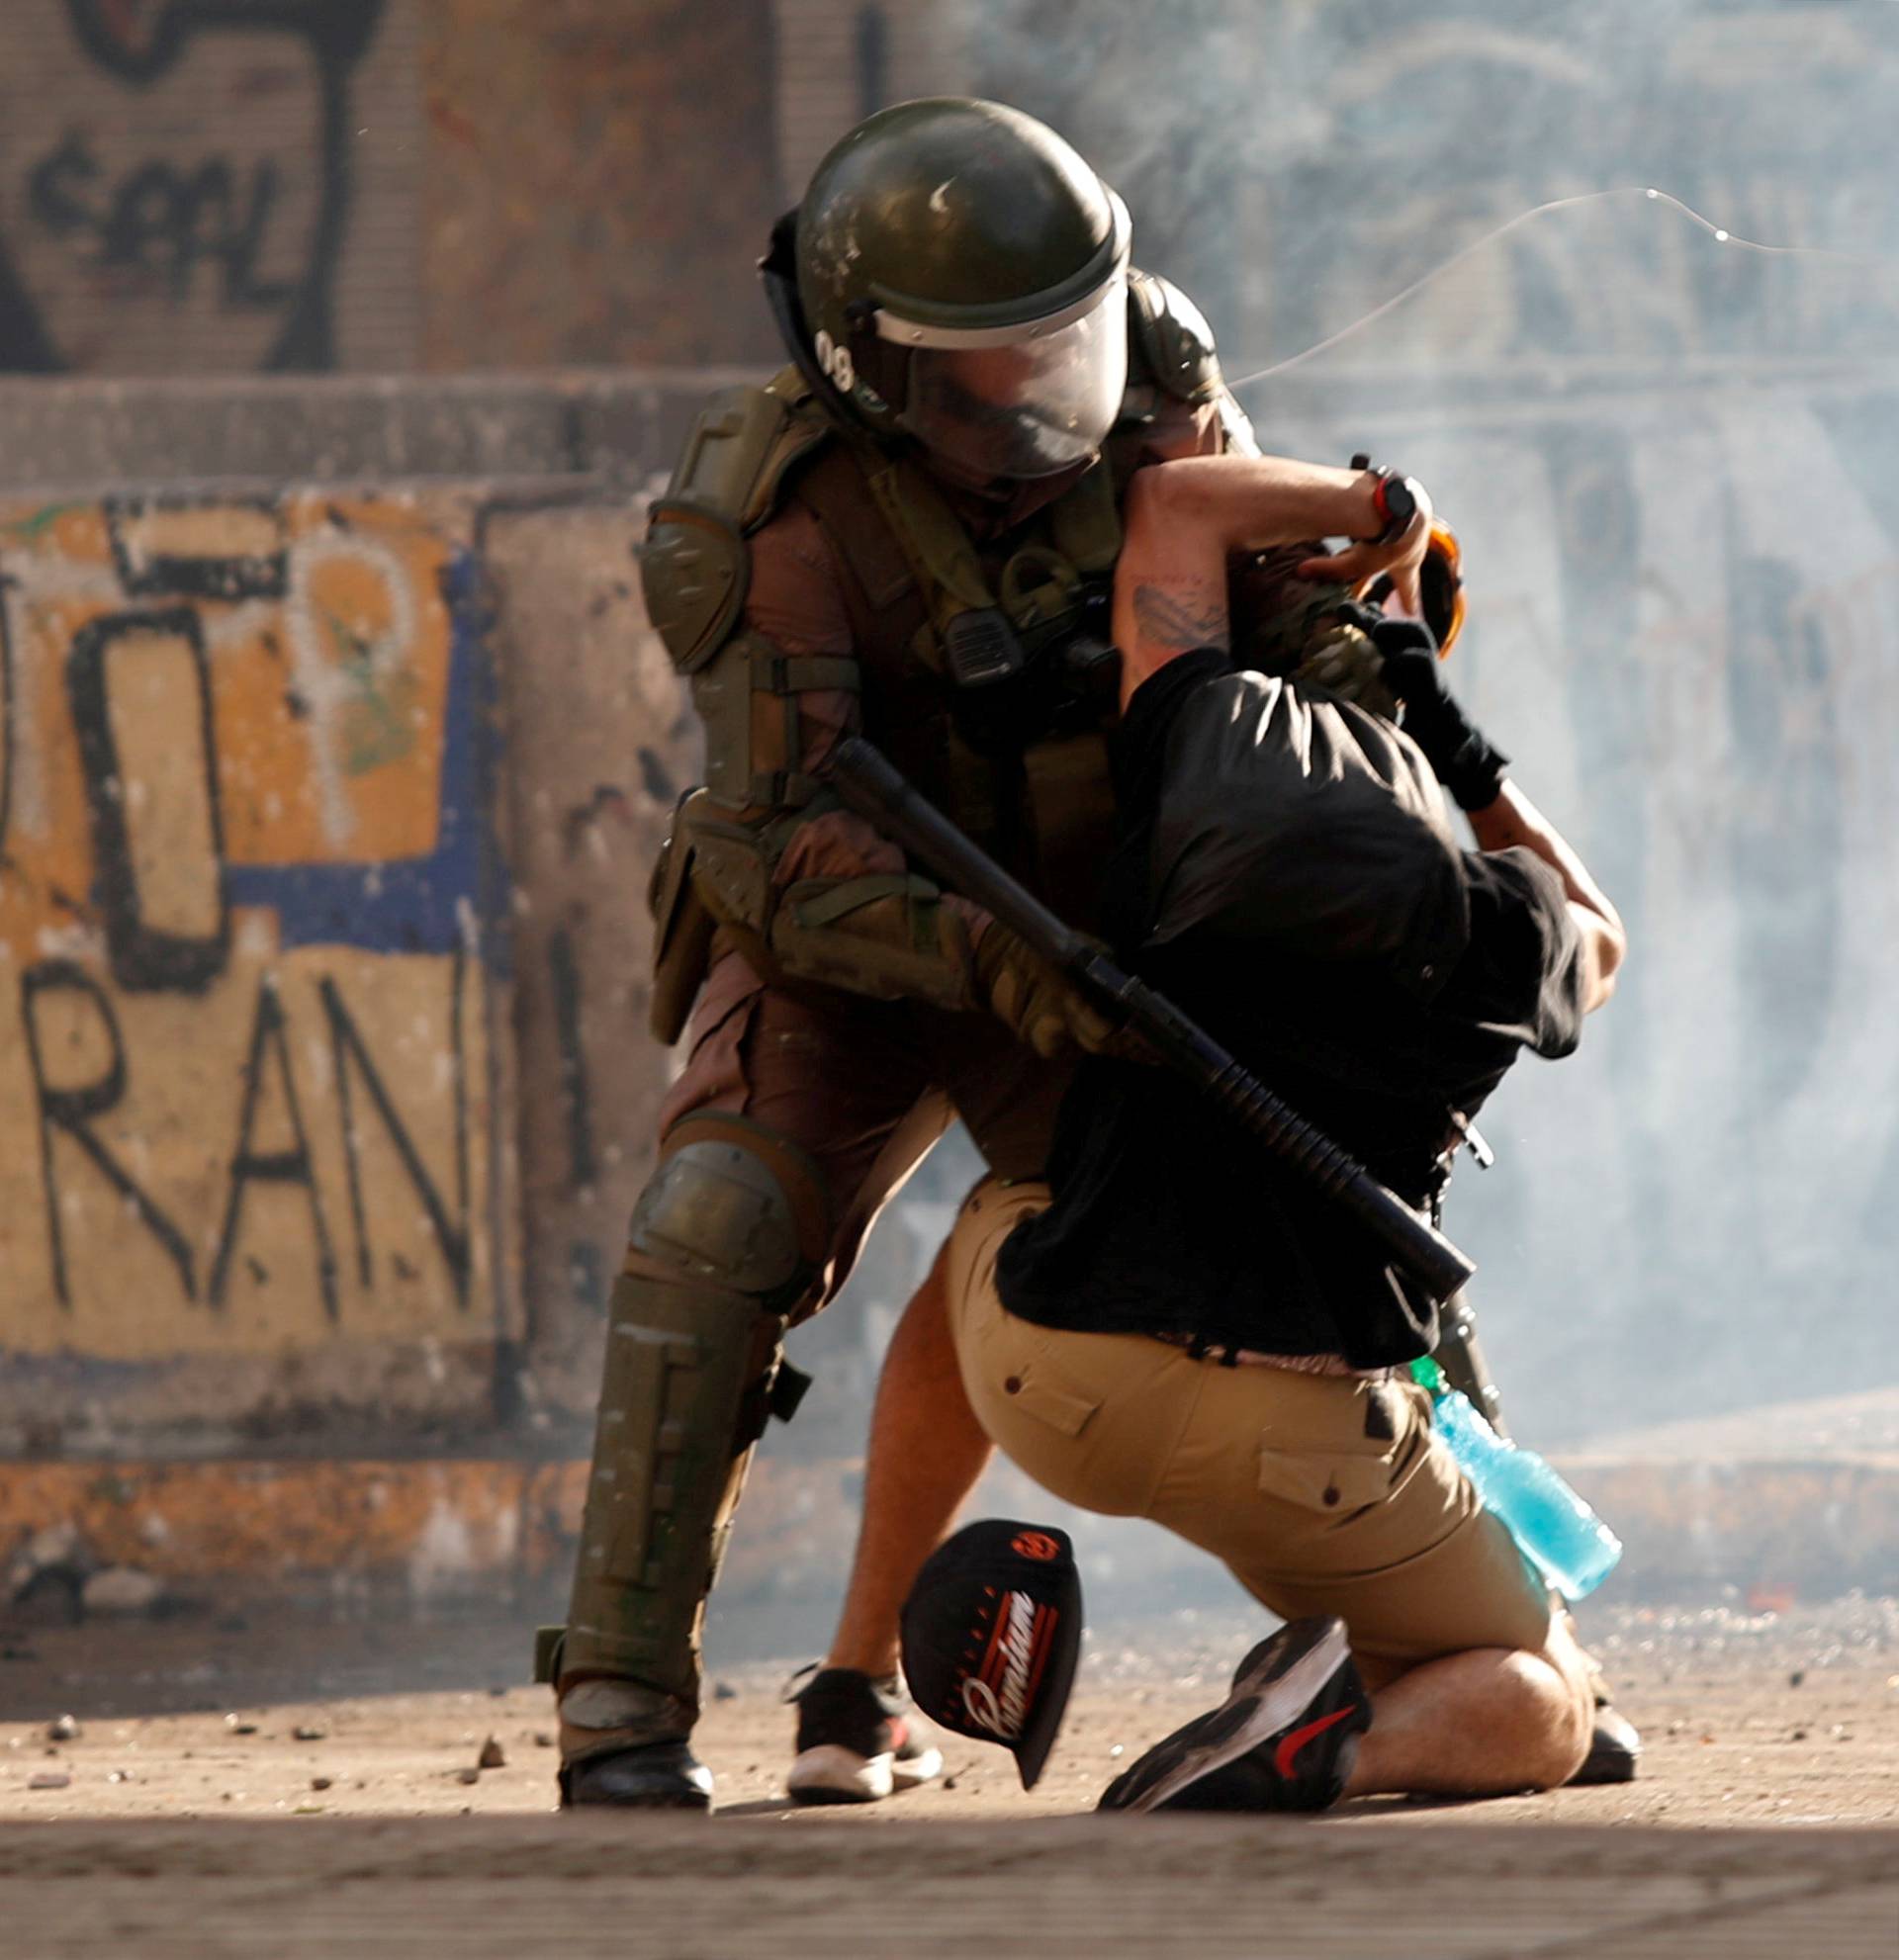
(240, 1788)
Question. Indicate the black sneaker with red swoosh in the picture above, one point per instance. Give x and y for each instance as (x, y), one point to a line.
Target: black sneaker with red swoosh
(1284, 1739)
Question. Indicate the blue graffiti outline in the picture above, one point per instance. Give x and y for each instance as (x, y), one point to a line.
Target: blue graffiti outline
(410, 904)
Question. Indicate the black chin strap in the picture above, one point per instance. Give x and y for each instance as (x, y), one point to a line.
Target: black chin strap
(778, 269)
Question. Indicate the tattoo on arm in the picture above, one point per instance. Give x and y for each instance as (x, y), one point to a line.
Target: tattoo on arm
(1182, 615)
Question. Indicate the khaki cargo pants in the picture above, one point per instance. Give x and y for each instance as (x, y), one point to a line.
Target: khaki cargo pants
(1321, 1494)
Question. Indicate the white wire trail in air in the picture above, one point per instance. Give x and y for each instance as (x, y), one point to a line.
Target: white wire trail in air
(1719, 233)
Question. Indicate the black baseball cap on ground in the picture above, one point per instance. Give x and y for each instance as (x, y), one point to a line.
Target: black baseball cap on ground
(992, 1634)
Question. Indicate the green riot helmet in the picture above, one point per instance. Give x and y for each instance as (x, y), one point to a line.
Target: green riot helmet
(962, 278)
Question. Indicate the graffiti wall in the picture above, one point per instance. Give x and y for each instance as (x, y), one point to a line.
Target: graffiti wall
(245, 974)
(601, 742)
(242, 186)
(192, 187)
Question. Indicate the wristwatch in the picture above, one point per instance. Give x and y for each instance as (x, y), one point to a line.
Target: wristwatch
(1393, 498)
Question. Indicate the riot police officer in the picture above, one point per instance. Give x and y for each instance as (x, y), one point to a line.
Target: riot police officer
(911, 530)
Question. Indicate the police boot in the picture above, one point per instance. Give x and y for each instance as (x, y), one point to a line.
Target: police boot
(651, 1776)
(1615, 1747)
(727, 1232)
(660, 1776)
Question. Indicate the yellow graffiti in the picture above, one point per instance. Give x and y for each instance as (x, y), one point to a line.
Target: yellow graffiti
(326, 702)
(221, 1137)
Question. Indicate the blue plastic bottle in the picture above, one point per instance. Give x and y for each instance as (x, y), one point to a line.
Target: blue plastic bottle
(1566, 1542)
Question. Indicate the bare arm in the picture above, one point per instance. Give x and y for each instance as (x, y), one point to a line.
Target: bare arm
(1514, 820)
(1186, 518)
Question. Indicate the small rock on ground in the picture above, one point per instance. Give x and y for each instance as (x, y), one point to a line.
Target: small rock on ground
(122, 1589)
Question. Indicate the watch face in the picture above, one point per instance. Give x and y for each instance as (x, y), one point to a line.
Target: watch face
(1400, 506)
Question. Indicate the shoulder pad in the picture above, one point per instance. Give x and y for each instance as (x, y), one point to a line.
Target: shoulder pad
(730, 476)
(1168, 339)
(743, 446)
(693, 572)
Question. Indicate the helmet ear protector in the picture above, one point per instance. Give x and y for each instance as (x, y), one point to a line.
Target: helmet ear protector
(868, 359)
(778, 270)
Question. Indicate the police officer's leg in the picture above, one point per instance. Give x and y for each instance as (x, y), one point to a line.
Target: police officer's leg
(725, 1240)
(783, 1109)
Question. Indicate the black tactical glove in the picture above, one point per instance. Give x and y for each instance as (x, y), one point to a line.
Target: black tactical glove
(1465, 761)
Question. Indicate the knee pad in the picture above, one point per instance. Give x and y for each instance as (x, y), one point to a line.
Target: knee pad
(735, 1207)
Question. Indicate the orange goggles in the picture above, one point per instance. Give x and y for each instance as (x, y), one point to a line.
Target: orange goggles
(1440, 580)
(1440, 583)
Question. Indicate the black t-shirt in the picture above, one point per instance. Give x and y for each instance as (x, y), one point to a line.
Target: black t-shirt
(1284, 873)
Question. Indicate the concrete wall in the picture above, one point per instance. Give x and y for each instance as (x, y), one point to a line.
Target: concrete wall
(619, 426)
(382, 185)
(601, 178)
(324, 822)
(325, 815)
(840, 60)
(600, 744)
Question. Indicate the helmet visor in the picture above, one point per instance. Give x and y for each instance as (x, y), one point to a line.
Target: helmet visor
(1029, 407)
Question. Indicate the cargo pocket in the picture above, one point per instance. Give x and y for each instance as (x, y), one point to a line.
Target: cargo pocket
(1018, 1376)
(1039, 1389)
(1046, 1421)
(1335, 1485)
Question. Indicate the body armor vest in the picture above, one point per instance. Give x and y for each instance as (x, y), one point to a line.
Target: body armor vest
(1022, 765)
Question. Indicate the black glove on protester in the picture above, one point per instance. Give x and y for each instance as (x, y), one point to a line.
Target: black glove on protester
(1465, 761)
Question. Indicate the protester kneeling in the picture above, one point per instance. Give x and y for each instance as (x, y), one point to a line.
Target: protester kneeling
(1172, 1327)
(1327, 1498)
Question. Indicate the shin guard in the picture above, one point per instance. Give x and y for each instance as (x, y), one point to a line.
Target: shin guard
(719, 1248)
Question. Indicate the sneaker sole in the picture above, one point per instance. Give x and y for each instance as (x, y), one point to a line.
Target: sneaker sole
(830, 1774)
(911, 1772)
(1264, 1700)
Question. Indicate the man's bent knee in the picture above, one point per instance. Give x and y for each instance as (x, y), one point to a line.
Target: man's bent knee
(1570, 1739)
